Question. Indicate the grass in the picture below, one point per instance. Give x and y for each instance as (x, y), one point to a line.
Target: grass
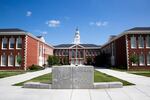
(98, 77)
(47, 78)
(101, 77)
(143, 73)
(10, 73)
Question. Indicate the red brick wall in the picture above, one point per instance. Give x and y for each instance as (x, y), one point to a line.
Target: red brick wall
(121, 56)
(33, 46)
(32, 51)
(13, 51)
(138, 51)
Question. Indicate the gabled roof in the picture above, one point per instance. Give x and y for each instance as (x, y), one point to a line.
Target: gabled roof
(71, 45)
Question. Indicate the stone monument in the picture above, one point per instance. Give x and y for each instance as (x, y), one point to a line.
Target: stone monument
(72, 77)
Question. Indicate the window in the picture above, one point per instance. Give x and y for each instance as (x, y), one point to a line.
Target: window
(141, 59)
(3, 60)
(133, 42)
(73, 53)
(40, 51)
(141, 42)
(148, 41)
(4, 43)
(11, 60)
(148, 58)
(19, 43)
(11, 43)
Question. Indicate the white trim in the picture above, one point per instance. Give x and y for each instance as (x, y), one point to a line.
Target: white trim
(1, 60)
(2, 43)
(25, 52)
(10, 43)
(9, 60)
(127, 52)
(17, 42)
(76, 45)
(142, 39)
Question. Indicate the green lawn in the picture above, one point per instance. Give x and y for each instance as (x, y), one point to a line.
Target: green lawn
(98, 77)
(10, 73)
(101, 77)
(47, 78)
(143, 73)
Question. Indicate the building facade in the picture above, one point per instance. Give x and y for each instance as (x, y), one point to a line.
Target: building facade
(135, 41)
(17, 42)
(76, 53)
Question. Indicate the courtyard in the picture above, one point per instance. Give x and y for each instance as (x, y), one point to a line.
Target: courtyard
(139, 91)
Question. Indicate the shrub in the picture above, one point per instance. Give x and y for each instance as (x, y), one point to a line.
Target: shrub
(133, 58)
(35, 67)
(53, 60)
(19, 60)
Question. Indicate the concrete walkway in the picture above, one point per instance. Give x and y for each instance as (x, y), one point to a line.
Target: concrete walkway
(141, 91)
(8, 81)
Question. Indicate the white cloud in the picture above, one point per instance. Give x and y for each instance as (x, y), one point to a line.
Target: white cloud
(44, 32)
(53, 23)
(98, 23)
(29, 13)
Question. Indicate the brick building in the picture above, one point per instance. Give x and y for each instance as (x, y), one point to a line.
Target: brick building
(133, 41)
(17, 42)
(76, 53)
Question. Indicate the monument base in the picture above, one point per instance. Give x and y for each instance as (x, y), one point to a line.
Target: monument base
(71, 77)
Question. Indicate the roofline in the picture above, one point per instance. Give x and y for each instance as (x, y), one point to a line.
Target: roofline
(25, 33)
(125, 33)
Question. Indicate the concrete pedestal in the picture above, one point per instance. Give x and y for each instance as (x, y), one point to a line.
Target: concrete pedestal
(72, 77)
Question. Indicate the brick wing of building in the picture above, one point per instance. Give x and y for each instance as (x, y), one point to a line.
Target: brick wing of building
(135, 41)
(17, 42)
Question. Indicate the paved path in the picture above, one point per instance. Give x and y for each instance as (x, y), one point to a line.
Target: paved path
(8, 81)
(141, 91)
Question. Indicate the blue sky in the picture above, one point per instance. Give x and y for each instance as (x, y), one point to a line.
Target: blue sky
(57, 19)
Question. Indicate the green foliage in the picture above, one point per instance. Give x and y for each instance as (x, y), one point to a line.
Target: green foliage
(53, 60)
(35, 67)
(66, 61)
(133, 58)
(19, 60)
(89, 61)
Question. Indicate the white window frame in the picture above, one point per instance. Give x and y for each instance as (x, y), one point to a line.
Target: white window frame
(10, 42)
(140, 42)
(2, 43)
(1, 60)
(148, 55)
(9, 60)
(134, 40)
(144, 60)
(17, 42)
(147, 37)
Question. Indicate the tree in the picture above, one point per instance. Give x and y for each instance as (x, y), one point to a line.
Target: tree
(89, 61)
(53, 60)
(66, 61)
(50, 60)
(19, 60)
(134, 58)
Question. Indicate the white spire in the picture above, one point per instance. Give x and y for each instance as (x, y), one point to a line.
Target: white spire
(77, 37)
